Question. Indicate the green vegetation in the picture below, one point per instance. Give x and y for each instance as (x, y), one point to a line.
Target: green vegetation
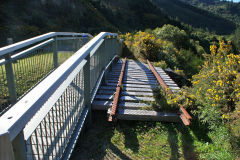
(153, 140)
(93, 16)
(216, 89)
(235, 39)
(214, 96)
(225, 9)
(168, 46)
(162, 104)
(194, 16)
(173, 34)
(142, 45)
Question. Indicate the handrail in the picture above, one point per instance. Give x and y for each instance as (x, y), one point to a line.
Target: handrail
(22, 44)
(16, 118)
(29, 50)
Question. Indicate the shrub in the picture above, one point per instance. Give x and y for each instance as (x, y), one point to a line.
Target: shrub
(174, 34)
(161, 64)
(163, 101)
(236, 39)
(169, 45)
(216, 88)
(143, 45)
(188, 62)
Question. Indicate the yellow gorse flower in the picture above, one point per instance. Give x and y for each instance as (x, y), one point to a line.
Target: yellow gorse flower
(219, 83)
(225, 116)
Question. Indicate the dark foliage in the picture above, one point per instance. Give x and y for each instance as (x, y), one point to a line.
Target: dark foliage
(195, 17)
(226, 9)
(23, 19)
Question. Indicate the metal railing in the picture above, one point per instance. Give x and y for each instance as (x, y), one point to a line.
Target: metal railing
(24, 64)
(46, 122)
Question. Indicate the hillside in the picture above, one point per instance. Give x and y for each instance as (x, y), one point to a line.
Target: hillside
(35, 17)
(24, 19)
(225, 9)
(131, 15)
(194, 16)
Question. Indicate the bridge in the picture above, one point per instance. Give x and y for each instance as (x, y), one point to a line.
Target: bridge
(51, 83)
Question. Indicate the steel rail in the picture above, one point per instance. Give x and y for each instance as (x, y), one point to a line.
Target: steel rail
(159, 79)
(185, 116)
(117, 94)
(185, 112)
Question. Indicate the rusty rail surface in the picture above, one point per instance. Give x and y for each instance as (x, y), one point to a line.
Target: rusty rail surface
(117, 94)
(159, 79)
(185, 116)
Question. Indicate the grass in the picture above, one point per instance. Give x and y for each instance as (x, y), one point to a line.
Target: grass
(63, 56)
(152, 140)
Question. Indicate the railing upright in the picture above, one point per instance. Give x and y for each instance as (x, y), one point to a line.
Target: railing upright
(19, 147)
(87, 90)
(10, 79)
(55, 53)
(6, 148)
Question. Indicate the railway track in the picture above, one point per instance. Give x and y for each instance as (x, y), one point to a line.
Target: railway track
(128, 93)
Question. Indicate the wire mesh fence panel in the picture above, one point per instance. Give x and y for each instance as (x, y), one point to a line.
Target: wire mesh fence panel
(52, 135)
(31, 68)
(101, 58)
(66, 48)
(4, 94)
(95, 66)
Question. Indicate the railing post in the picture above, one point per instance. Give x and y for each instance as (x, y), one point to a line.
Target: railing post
(10, 76)
(112, 54)
(55, 53)
(19, 147)
(87, 94)
(113, 47)
(120, 46)
(104, 53)
(6, 150)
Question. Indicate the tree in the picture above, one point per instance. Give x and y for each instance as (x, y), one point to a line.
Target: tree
(171, 33)
(236, 39)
